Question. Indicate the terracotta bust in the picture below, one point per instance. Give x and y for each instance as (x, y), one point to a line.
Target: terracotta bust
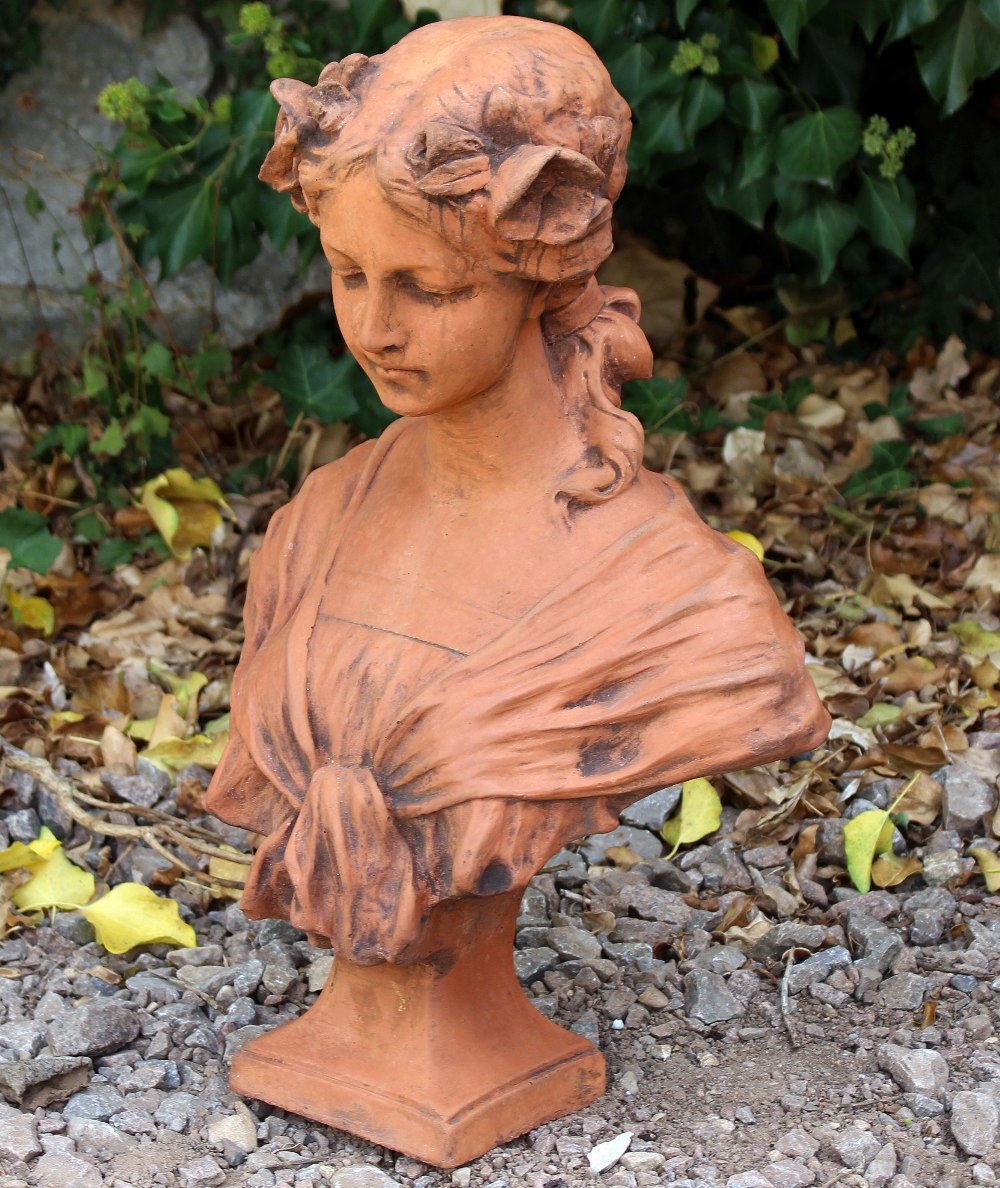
(482, 635)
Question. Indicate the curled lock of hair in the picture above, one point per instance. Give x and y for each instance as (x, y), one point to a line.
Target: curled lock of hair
(594, 346)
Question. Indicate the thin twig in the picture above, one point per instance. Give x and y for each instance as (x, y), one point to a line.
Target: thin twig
(786, 1010)
(155, 836)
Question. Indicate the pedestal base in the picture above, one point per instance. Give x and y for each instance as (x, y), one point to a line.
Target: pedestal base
(441, 1060)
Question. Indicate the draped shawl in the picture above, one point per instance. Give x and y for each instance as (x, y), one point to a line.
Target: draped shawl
(664, 657)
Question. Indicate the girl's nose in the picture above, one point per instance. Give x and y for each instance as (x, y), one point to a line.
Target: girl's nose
(378, 325)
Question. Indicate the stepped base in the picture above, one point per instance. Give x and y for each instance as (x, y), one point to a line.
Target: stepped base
(441, 1060)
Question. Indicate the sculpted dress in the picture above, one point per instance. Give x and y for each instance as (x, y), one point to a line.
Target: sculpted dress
(389, 773)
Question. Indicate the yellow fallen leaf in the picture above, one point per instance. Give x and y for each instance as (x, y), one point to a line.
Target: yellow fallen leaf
(902, 590)
(881, 714)
(168, 723)
(56, 882)
(32, 854)
(218, 725)
(868, 834)
(985, 573)
(186, 510)
(699, 814)
(890, 869)
(31, 610)
(68, 716)
(749, 541)
(862, 835)
(131, 914)
(184, 689)
(231, 869)
(174, 754)
(989, 866)
(976, 640)
(141, 728)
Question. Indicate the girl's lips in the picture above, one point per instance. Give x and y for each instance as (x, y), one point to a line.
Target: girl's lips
(392, 372)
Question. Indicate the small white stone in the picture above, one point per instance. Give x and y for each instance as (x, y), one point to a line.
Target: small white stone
(606, 1155)
(643, 1161)
(239, 1130)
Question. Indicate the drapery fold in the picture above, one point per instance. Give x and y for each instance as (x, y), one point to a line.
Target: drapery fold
(664, 657)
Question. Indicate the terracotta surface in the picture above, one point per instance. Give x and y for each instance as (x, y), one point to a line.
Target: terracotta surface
(480, 636)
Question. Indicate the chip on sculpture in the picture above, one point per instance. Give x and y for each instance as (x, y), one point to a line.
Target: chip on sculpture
(482, 635)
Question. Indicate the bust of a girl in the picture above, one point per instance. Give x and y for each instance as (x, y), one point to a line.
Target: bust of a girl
(482, 635)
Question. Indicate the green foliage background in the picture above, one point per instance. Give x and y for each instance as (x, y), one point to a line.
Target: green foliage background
(826, 156)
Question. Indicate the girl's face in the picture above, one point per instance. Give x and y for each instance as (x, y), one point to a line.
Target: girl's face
(432, 328)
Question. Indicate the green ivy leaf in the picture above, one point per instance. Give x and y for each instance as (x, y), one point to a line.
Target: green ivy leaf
(157, 360)
(658, 403)
(813, 147)
(702, 104)
(753, 104)
(634, 72)
(278, 217)
(684, 8)
(991, 11)
(661, 130)
(888, 212)
(958, 48)
(886, 474)
(311, 383)
(183, 222)
(940, 428)
(112, 440)
(757, 159)
(791, 15)
(27, 536)
(597, 20)
(822, 229)
(210, 362)
(751, 201)
(869, 15)
(253, 116)
(914, 14)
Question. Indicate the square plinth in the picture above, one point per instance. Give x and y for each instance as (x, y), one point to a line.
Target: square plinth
(452, 1118)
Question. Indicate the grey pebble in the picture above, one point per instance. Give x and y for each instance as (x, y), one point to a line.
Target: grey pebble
(60, 1171)
(903, 992)
(707, 998)
(854, 1147)
(915, 1070)
(43, 1080)
(882, 1168)
(573, 942)
(530, 964)
(18, 1134)
(975, 1121)
(99, 1101)
(652, 811)
(93, 1029)
(92, 1137)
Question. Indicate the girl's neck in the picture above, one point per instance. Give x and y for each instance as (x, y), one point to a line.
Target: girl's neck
(513, 441)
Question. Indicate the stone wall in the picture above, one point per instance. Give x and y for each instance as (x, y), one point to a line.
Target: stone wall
(49, 127)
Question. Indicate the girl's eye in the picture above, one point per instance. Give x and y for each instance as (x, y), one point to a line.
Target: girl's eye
(351, 280)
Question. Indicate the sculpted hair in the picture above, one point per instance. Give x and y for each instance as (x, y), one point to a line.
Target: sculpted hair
(507, 137)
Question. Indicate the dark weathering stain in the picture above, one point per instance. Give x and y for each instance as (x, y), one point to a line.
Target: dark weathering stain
(604, 695)
(494, 879)
(611, 752)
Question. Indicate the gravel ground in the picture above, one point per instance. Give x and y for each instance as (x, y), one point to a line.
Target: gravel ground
(883, 1067)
